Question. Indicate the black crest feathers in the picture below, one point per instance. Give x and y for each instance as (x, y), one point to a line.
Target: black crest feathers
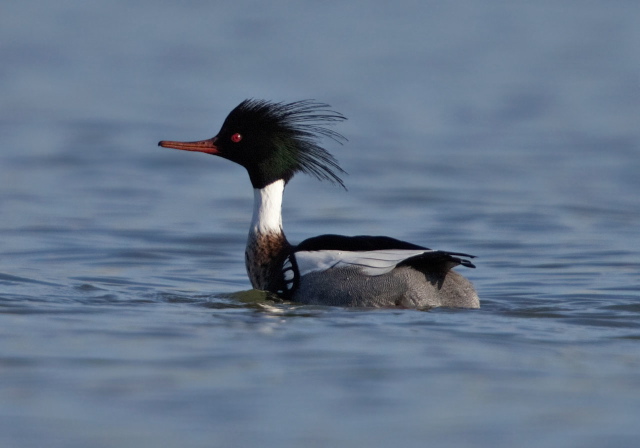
(294, 130)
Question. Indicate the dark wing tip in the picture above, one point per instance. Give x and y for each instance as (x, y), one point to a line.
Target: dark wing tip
(440, 260)
(461, 258)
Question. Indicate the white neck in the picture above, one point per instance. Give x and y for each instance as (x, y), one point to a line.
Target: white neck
(267, 209)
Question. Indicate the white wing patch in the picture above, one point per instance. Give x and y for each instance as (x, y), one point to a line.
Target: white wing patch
(373, 262)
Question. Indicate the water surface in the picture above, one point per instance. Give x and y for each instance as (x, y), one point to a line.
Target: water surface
(506, 130)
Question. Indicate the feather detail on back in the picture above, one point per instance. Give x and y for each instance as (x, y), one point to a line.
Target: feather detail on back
(375, 262)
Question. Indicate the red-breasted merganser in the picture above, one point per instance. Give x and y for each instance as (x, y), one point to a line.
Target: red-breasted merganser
(273, 141)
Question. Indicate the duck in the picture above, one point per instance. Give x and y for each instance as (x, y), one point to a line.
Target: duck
(274, 141)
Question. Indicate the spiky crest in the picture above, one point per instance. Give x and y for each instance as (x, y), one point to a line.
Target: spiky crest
(290, 135)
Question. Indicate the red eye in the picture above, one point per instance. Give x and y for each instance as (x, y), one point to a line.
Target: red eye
(235, 138)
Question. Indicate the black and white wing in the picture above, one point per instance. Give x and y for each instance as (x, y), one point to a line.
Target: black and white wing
(315, 255)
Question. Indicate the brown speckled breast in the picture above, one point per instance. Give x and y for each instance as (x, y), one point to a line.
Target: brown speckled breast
(264, 256)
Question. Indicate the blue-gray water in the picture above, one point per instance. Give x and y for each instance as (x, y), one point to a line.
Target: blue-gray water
(509, 130)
